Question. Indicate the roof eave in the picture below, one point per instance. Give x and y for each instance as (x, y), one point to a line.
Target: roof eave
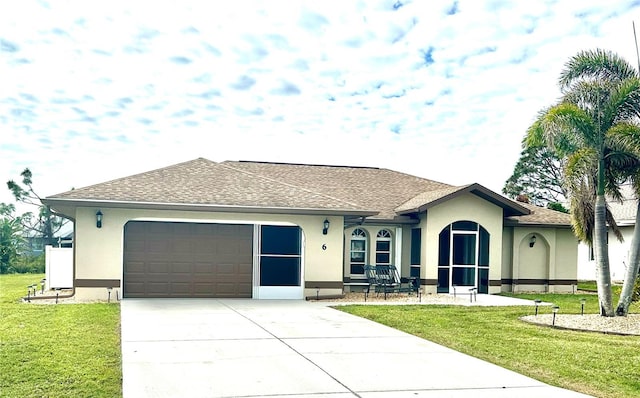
(515, 223)
(56, 202)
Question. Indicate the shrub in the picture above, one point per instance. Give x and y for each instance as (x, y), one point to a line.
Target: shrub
(26, 264)
(636, 291)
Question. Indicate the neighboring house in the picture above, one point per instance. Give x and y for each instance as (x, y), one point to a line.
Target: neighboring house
(625, 215)
(274, 230)
(35, 243)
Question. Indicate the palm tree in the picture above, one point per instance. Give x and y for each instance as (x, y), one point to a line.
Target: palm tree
(604, 65)
(594, 126)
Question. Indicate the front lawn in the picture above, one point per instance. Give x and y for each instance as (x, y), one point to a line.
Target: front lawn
(592, 363)
(63, 350)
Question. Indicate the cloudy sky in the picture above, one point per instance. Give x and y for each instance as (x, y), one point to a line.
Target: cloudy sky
(91, 91)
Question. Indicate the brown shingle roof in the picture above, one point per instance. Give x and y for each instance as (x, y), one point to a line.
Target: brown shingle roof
(539, 216)
(203, 182)
(367, 191)
(369, 187)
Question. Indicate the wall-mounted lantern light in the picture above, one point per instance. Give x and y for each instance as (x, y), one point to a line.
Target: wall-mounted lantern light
(532, 240)
(325, 227)
(98, 219)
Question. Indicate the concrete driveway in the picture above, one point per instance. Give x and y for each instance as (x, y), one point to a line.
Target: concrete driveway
(251, 348)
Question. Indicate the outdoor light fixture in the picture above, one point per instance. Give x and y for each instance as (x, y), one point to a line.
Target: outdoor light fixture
(537, 303)
(555, 310)
(532, 240)
(109, 294)
(582, 303)
(325, 227)
(98, 219)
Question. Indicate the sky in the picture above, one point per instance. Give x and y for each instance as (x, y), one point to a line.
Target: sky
(96, 90)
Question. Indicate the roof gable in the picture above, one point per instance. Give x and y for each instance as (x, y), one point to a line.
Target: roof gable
(425, 200)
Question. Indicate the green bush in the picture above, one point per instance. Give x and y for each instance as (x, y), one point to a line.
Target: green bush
(26, 264)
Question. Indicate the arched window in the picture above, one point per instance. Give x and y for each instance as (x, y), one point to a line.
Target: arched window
(383, 247)
(463, 259)
(358, 252)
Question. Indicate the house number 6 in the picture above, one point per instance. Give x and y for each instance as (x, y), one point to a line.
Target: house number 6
(324, 246)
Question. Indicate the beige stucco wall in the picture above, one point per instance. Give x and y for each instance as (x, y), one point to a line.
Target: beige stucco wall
(99, 251)
(553, 257)
(507, 255)
(464, 207)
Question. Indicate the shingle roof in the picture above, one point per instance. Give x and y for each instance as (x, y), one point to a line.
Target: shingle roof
(369, 187)
(368, 191)
(203, 182)
(539, 216)
(625, 212)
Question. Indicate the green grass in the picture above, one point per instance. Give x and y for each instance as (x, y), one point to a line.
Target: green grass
(593, 363)
(58, 350)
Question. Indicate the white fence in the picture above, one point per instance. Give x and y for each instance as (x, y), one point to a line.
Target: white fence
(58, 267)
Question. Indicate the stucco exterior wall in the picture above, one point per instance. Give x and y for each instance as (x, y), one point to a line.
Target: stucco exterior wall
(464, 207)
(507, 256)
(550, 265)
(99, 251)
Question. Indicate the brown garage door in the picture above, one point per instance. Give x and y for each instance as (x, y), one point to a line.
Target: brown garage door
(163, 259)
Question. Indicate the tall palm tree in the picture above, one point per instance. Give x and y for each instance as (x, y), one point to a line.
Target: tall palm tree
(594, 126)
(607, 66)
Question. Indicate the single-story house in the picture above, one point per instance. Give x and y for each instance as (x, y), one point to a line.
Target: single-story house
(289, 231)
(624, 212)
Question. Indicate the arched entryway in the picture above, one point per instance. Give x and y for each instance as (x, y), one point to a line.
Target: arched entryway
(463, 259)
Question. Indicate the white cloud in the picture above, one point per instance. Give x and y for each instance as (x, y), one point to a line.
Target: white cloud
(95, 91)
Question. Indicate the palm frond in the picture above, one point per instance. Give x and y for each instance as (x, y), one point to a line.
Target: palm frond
(598, 64)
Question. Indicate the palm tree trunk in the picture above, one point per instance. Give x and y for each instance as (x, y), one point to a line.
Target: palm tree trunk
(603, 274)
(632, 269)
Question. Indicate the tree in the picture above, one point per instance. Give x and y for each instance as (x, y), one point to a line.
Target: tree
(46, 224)
(11, 239)
(539, 175)
(594, 128)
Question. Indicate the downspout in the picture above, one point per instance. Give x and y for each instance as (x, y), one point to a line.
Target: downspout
(73, 288)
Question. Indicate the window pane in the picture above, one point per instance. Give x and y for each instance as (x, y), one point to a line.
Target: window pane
(464, 276)
(483, 280)
(443, 249)
(484, 247)
(382, 258)
(357, 257)
(279, 271)
(443, 280)
(358, 245)
(383, 245)
(280, 240)
(465, 226)
(464, 249)
(357, 269)
(416, 242)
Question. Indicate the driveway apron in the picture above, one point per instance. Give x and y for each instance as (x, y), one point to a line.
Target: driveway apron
(254, 348)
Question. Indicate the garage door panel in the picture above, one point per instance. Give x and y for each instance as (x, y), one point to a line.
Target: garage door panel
(188, 260)
(180, 288)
